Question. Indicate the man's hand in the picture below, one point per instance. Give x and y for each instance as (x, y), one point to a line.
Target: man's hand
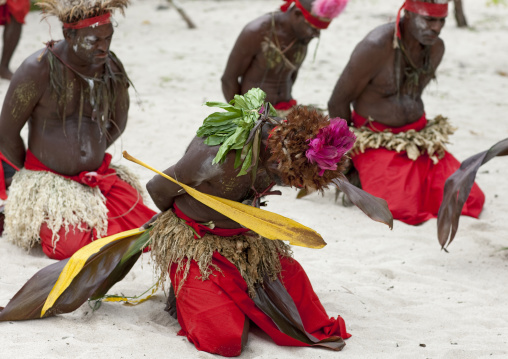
(150, 222)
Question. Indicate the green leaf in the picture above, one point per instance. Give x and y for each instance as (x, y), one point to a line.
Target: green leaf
(252, 100)
(100, 272)
(247, 162)
(223, 105)
(215, 140)
(238, 158)
(231, 129)
(226, 146)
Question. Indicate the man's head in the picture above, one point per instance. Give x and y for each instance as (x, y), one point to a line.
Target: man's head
(309, 17)
(87, 25)
(425, 19)
(90, 44)
(308, 150)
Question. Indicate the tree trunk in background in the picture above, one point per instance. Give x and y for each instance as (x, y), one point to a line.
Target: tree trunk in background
(459, 13)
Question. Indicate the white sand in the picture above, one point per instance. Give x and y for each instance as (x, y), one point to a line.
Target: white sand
(396, 290)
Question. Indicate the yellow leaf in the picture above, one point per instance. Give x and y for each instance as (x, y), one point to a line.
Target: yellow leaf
(267, 224)
(76, 263)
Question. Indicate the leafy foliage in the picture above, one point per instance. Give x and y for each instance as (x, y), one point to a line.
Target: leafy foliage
(231, 129)
(456, 191)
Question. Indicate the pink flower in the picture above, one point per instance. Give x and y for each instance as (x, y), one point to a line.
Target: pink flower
(330, 144)
(328, 8)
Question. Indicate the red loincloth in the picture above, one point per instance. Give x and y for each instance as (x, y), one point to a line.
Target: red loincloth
(413, 189)
(17, 8)
(125, 208)
(285, 105)
(200, 229)
(216, 324)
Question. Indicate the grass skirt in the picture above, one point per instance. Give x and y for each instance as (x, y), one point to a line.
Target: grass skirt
(432, 140)
(255, 257)
(37, 197)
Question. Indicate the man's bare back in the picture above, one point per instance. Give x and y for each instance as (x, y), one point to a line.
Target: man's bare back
(371, 86)
(195, 169)
(61, 137)
(268, 54)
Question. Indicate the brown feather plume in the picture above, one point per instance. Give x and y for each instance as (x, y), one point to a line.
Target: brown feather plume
(69, 11)
(288, 144)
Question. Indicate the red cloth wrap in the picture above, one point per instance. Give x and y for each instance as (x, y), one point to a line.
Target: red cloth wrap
(125, 208)
(421, 8)
(212, 313)
(285, 105)
(3, 192)
(91, 21)
(17, 8)
(413, 189)
(201, 229)
(320, 23)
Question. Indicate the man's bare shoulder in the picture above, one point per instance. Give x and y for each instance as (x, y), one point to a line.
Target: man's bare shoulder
(379, 38)
(438, 48)
(35, 66)
(196, 165)
(258, 28)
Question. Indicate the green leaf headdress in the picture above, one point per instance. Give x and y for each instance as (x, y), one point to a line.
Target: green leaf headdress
(238, 128)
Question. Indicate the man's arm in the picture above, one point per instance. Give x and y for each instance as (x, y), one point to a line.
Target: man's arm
(244, 51)
(192, 169)
(359, 71)
(25, 90)
(119, 122)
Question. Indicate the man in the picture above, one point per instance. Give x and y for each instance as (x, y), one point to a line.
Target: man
(12, 16)
(224, 275)
(221, 272)
(399, 155)
(74, 96)
(270, 50)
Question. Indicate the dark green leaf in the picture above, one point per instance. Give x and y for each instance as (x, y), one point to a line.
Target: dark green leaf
(457, 188)
(374, 207)
(100, 272)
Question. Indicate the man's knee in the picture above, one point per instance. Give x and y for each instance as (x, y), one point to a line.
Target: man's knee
(225, 342)
(68, 244)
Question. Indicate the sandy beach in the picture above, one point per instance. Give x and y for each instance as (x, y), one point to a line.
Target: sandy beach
(400, 295)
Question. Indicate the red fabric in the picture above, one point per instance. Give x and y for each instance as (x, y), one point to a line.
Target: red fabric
(91, 21)
(427, 9)
(285, 105)
(413, 189)
(201, 229)
(421, 8)
(359, 121)
(3, 192)
(320, 23)
(125, 208)
(212, 313)
(17, 8)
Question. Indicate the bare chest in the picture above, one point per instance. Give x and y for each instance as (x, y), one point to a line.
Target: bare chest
(281, 56)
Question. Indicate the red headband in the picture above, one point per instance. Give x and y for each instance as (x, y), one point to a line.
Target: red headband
(422, 8)
(91, 21)
(320, 23)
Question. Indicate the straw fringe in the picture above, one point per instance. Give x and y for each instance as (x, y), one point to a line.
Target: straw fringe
(256, 257)
(131, 178)
(37, 197)
(431, 140)
(69, 11)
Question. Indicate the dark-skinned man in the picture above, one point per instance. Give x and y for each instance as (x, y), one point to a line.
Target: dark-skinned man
(399, 154)
(219, 270)
(270, 50)
(74, 96)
